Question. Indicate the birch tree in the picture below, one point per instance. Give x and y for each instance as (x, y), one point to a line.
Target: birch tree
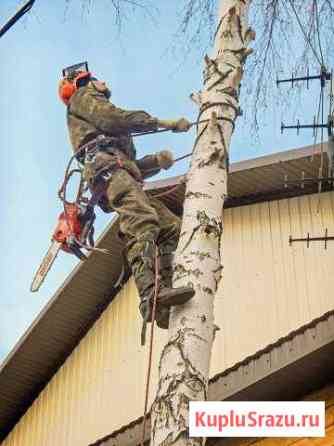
(185, 359)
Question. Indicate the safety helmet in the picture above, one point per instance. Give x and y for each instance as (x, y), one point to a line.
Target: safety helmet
(74, 77)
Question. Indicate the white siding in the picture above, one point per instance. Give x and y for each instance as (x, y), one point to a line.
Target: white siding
(268, 290)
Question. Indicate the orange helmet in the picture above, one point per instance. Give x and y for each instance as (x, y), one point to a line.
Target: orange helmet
(74, 77)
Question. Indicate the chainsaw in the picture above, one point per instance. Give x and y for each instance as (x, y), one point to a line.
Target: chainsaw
(74, 232)
(75, 228)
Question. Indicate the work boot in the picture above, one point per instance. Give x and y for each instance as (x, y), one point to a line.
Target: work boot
(167, 297)
(143, 269)
(166, 274)
(162, 317)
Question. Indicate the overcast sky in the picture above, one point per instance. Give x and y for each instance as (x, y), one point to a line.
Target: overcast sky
(34, 141)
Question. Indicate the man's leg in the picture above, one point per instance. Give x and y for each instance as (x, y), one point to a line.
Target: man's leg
(140, 224)
(170, 226)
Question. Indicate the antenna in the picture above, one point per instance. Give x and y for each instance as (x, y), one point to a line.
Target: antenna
(324, 76)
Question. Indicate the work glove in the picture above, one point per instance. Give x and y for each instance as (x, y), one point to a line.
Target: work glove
(165, 159)
(181, 125)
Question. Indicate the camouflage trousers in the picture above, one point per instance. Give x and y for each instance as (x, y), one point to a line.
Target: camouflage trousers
(144, 223)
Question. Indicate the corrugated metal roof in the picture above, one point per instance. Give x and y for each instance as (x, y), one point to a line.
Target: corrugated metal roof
(258, 179)
(65, 320)
(288, 369)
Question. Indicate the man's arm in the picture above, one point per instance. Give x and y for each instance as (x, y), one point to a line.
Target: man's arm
(96, 109)
(148, 166)
(151, 165)
(93, 107)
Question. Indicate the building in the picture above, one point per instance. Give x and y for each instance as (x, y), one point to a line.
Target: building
(77, 376)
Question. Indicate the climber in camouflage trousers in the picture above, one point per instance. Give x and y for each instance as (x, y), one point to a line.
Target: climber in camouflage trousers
(100, 135)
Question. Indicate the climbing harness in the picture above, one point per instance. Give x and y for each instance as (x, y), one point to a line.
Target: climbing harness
(180, 158)
(152, 132)
(81, 211)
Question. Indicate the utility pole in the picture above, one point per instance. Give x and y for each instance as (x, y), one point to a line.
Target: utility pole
(16, 17)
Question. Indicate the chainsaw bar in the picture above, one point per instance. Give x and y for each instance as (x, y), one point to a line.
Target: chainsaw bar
(45, 266)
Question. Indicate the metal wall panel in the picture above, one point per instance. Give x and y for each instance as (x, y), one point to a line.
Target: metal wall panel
(269, 289)
(99, 388)
(326, 394)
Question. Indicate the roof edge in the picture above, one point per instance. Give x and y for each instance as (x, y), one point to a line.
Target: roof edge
(52, 301)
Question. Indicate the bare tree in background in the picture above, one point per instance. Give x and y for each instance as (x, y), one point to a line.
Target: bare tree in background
(292, 35)
(120, 9)
(284, 43)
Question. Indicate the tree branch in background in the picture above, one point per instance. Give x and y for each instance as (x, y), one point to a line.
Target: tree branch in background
(288, 33)
(292, 35)
(122, 9)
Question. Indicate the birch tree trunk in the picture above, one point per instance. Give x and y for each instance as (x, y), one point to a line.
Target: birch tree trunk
(185, 359)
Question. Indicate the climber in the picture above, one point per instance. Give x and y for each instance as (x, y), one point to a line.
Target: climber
(100, 134)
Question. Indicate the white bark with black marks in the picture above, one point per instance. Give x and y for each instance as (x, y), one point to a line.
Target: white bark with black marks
(185, 359)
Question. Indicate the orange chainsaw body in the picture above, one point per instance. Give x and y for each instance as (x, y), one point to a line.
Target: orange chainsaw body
(68, 226)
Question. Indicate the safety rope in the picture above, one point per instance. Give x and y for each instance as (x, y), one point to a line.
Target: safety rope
(152, 132)
(62, 196)
(149, 367)
(167, 192)
(81, 150)
(187, 155)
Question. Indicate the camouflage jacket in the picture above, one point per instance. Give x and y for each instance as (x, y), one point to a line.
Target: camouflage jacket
(90, 114)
